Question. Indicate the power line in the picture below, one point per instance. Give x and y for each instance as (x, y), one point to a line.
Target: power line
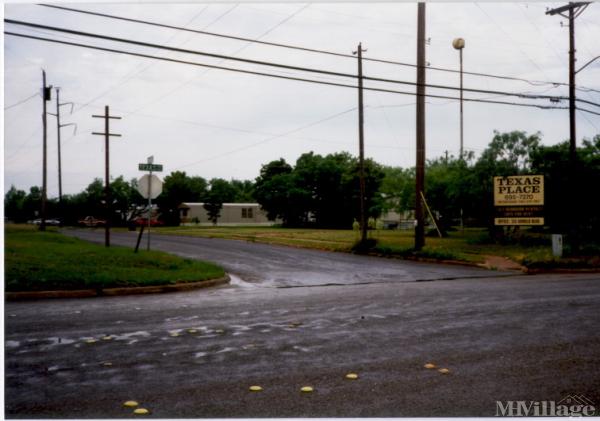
(590, 122)
(268, 139)
(587, 111)
(274, 75)
(21, 102)
(284, 66)
(144, 68)
(299, 48)
(277, 25)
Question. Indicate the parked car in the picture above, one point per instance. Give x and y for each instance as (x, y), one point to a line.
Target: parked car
(51, 222)
(90, 221)
(153, 222)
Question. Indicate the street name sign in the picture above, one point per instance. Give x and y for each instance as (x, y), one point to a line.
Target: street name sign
(519, 200)
(150, 167)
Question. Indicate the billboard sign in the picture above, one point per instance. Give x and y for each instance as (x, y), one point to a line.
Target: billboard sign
(519, 200)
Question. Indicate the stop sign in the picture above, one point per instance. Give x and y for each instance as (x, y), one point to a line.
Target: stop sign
(149, 186)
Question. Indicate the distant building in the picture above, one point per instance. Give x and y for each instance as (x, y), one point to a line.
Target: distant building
(395, 220)
(231, 214)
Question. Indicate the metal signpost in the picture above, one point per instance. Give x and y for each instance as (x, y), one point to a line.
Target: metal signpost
(150, 186)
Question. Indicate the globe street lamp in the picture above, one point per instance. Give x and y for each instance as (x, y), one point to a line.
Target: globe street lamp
(459, 44)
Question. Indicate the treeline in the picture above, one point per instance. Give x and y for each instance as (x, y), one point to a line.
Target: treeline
(453, 185)
(324, 191)
(178, 187)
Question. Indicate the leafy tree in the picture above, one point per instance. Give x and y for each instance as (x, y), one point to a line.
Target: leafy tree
(398, 189)
(507, 154)
(178, 188)
(244, 191)
(568, 199)
(323, 191)
(14, 204)
(273, 188)
(31, 204)
(220, 192)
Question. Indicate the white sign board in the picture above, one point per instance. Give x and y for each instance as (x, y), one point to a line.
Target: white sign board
(149, 186)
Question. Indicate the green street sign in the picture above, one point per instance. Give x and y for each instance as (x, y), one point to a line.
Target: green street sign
(150, 167)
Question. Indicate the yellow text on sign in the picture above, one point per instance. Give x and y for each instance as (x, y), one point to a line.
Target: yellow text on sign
(518, 190)
(518, 221)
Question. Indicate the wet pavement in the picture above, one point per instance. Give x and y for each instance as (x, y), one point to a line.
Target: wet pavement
(280, 266)
(195, 354)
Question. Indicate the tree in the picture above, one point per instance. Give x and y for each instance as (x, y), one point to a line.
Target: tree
(14, 205)
(244, 191)
(398, 189)
(178, 188)
(273, 188)
(220, 192)
(321, 191)
(566, 192)
(507, 154)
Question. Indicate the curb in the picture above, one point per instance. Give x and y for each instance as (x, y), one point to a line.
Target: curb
(111, 292)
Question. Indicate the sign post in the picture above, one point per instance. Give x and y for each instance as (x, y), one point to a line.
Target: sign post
(519, 200)
(149, 186)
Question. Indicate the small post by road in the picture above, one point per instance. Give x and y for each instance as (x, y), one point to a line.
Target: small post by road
(150, 161)
(149, 190)
(107, 197)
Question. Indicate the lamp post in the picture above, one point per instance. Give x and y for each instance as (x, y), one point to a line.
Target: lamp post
(459, 44)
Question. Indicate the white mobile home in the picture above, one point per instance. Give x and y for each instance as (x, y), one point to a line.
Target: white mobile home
(231, 214)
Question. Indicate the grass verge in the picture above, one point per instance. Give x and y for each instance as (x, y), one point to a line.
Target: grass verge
(472, 245)
(47, 261)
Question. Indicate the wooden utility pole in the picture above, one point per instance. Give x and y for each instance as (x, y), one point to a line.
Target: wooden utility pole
(58, 127)
(574, 10)
(361, 148)
(107, 196)
(46, 96)
(420, 164)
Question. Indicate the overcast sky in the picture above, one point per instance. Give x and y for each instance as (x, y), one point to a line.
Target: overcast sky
(216, 123)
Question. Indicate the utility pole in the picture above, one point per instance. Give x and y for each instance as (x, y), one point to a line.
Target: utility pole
(420, 164)
(58, 127)
(107, 197)
(361, 148)
(46, 96)
(574, 10)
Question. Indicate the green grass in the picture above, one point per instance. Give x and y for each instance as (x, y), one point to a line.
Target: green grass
(41, 261)
(471, 245)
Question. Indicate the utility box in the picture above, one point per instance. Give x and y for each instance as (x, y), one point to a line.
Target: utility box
(557, 245)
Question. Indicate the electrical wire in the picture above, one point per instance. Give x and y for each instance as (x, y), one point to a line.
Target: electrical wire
(285, 66)
(590, 122)
(587, 111)
(21, 102)
(143, 68)
(112, 50)
(181, 85)
(269, 139)
(306, 49)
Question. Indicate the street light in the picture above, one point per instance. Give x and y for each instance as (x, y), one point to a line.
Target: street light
(459, 44)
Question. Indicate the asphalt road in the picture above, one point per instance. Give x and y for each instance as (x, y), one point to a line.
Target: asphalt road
(195, 354)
